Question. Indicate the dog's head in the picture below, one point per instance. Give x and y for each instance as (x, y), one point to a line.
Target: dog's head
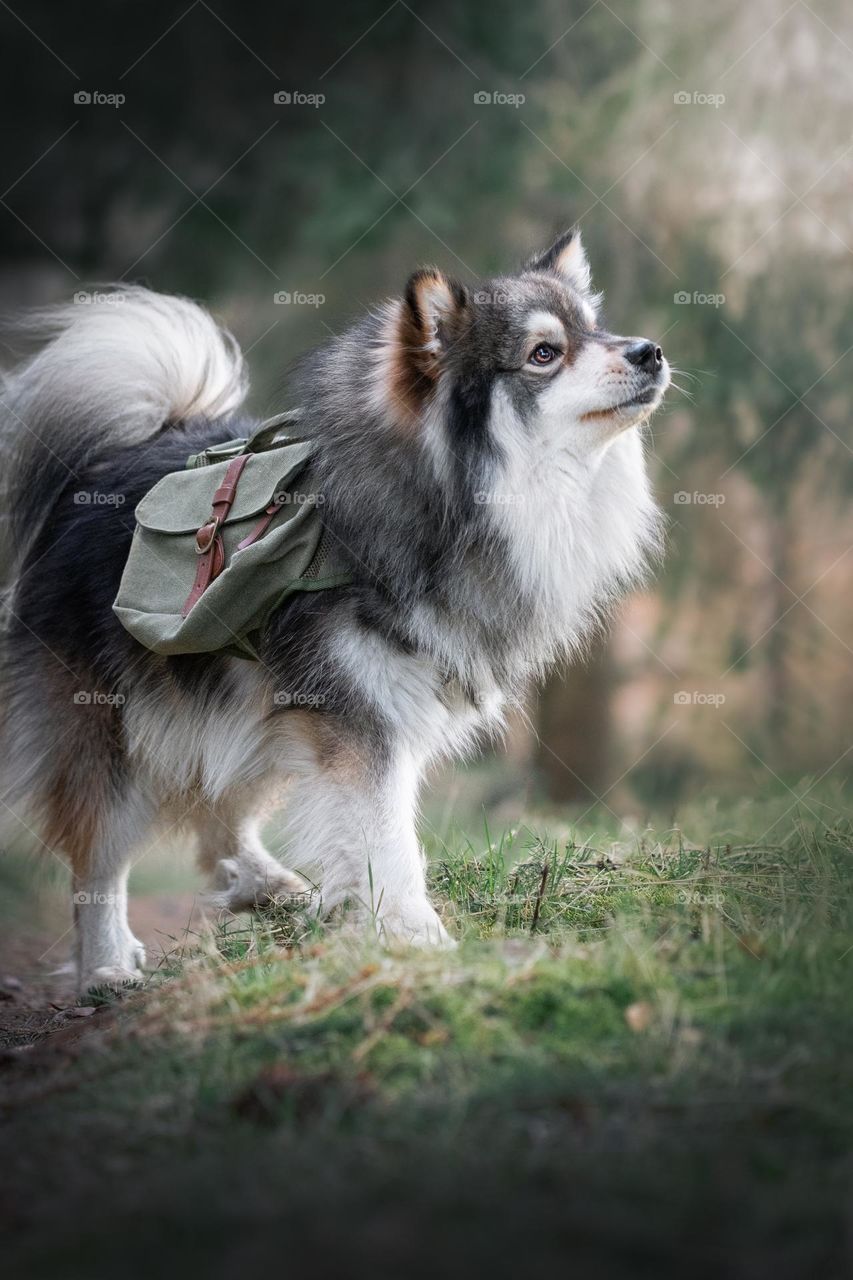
(521, 352)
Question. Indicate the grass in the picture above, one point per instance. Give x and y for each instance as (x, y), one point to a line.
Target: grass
(638, 1060)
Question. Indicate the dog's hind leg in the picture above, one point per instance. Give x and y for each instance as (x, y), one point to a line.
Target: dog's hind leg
(243, 874)
(107, 952)
(76, 788)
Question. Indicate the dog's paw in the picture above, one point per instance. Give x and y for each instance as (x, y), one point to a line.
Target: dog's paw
(239, 887)
(413, 924)
(124, 970)
(110, 978)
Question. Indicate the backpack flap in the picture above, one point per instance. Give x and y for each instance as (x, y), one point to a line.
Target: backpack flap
(280, 525)
(180, 502)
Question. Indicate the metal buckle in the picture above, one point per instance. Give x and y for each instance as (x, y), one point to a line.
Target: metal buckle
(213, 526)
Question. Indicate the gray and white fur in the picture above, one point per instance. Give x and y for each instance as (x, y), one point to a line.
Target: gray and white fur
(481, 462)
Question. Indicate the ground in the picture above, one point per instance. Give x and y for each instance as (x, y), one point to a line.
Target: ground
(637, 1062)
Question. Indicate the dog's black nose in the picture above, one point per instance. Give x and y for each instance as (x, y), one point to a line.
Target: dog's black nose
(645, 355)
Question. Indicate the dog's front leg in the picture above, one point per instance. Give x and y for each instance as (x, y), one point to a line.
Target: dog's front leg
(108, 954)
(353, 814)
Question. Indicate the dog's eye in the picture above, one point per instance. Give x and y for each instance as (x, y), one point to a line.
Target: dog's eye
(544, 354)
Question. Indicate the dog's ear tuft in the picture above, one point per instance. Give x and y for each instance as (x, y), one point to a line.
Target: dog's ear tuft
(566, 258)
(431, 317)
(435, 304)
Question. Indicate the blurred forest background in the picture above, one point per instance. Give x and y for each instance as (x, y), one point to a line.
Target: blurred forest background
(291, 165)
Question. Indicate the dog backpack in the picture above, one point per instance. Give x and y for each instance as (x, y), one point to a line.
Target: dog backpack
(220, 545)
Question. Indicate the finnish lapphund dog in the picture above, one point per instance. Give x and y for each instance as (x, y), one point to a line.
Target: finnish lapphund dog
(481, 459)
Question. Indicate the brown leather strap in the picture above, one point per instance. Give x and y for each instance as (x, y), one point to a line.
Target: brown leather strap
(209, 545)
(209, 567)
(262, 525)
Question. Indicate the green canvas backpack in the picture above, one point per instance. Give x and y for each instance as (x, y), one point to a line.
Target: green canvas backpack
(220, 545)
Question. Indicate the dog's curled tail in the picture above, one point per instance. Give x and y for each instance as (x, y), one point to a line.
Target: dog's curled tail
(113, 367)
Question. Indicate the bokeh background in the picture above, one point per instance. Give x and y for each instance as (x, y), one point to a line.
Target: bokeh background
(291, 165)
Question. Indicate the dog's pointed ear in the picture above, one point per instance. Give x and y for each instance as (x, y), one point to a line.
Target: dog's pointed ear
(431, 317)
(434, 305)
(566, 258)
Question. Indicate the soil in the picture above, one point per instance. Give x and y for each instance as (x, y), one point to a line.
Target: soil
(38, 1000)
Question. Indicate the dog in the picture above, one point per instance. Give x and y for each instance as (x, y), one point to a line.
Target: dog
(481, 461)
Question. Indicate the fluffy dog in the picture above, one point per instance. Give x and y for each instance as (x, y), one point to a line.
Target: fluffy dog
(482, 470)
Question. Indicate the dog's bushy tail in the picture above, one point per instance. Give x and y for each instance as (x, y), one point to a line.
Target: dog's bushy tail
(109, 369)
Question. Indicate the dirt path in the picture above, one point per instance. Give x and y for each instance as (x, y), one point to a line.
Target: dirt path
(37, 995)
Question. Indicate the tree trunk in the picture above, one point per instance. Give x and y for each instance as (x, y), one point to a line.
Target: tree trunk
(777, 640)
(574, 729)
